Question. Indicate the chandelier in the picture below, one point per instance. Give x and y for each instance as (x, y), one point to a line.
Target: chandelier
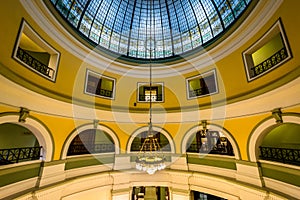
(150, 158)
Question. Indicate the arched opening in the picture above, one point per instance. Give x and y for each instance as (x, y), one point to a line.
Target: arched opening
(91, 141)
(140, 138)
(209, 142)
(18, 144)
(165, 139)
(281, 144)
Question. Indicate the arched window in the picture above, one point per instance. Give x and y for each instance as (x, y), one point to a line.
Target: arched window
(282, 144)
(161, 139)
(91, 141)
(17, 144)
(209, 141)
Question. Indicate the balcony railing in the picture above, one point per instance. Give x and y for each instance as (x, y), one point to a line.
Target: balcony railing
(15, 155)
(283, 155)
(270, 62)
(163, 146)
(216, 149)
(90, 149)
(34, 63)
(146, 98)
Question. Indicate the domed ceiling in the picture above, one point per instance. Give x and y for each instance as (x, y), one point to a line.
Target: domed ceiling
(150, 28)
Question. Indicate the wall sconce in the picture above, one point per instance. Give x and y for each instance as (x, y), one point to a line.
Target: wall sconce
(277, 114)
(204, 127)
(24, 113)
(204, 124)
(95, 122)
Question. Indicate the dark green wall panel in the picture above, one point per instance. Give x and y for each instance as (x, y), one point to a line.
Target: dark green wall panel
(20, 173)
(284, 174)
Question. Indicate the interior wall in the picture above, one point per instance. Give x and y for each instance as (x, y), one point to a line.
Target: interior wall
(92, 194)
(283, 136)
(15, 136)
(73, 65)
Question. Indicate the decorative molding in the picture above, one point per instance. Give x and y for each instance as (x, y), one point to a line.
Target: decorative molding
(277, 114)
(13, 189)
(24, 113)
(45, 19)
(285, 188)
(82, 171)
(51, 174)
(260, 104)
(249, 174)
(122, 182)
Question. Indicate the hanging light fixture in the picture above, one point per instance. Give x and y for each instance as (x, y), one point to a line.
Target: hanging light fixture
(150, 158)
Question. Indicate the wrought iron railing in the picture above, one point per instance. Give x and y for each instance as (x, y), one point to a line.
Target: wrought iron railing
(157, 97)
(270, 62)
(34, 63)
(198, 92)
(90, 149)
(283, 155)
(104, 93)
(163, 147)
(216, 149)
(15, 155)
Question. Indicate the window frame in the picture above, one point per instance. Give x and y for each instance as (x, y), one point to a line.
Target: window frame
(54, 59)
(276, 28)
(147, 84)
(203, 75)
(99, 76)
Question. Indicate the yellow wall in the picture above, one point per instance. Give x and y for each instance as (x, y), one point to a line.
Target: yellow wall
(71, 71)
(69, 85)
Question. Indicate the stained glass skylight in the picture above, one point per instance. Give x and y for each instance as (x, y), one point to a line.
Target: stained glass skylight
(126, 26)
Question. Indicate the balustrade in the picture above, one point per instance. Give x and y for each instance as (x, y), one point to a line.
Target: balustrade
(34, 63)
(15, 155)
(270, 62)
(283, 155)
(90, 149)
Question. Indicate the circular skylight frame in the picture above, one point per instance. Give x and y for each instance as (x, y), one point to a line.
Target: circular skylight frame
(177, 26)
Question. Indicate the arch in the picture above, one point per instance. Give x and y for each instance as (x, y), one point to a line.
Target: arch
(84, 127)
(39, 130)
(214, 127)
(154, 128)
(262, 128)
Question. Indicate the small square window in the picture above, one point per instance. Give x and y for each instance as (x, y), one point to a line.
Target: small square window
(35, 53)
(99, 85)
(202, 85)
(145, 92)
(269, 52)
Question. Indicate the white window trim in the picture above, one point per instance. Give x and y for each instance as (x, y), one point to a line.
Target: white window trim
(198, 76)
(100, 76)
(147, 84)
(34, 36)
(275, 29)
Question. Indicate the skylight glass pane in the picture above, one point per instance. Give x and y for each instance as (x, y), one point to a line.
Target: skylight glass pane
(176, 26)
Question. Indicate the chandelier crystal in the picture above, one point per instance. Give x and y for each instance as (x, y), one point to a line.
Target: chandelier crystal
(150, 158)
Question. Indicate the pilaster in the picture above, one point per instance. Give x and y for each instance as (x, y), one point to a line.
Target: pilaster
(51, 172)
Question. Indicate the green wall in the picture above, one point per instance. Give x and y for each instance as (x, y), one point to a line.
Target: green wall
(269, 49)
(15, 136)
(285, 136)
